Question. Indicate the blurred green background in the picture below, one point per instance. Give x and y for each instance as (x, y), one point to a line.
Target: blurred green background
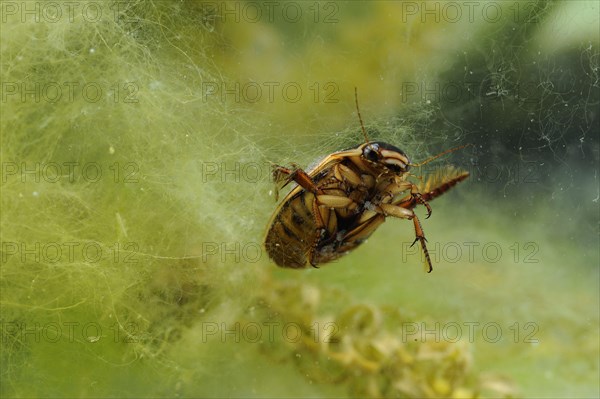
(136, 143)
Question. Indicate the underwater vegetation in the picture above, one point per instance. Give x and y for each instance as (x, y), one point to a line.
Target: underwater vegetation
(137, 139)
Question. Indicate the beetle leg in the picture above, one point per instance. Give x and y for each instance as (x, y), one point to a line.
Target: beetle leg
(421, 237)
(287, 175)
(416, 194)
(403, 213)
(345, 174)
(440, 182)
(325, 217)
(335, 201)
(419, 198)
(409, 202)
(365, 227)
(396, 211)
(393, 189)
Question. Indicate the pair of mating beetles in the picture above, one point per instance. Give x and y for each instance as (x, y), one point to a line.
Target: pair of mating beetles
(339, 203)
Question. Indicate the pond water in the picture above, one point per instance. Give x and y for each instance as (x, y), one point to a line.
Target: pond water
(137, 145)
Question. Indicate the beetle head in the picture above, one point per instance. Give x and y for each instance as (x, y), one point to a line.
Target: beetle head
(387, 155)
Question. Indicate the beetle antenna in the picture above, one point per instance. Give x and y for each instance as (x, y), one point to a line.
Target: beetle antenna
(460, 147)
(360, 117)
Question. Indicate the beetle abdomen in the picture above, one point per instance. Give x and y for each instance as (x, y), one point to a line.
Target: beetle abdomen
(292, 232)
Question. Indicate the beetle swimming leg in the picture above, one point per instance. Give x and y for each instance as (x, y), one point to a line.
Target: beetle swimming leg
(421, 237)
(403, 213)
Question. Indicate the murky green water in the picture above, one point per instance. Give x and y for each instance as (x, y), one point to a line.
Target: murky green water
(137, 139)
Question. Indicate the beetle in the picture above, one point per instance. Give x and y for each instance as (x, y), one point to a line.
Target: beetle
(339, 203)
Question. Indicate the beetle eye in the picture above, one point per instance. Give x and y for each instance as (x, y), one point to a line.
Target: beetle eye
(394, 168)
(371, 153)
